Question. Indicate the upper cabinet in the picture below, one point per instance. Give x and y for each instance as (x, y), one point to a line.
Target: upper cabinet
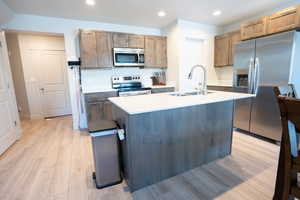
(88, 49)
(254, 28)
(128, 40)
(224, 48)
(284, 20)
(104, 49)
(155, 52)
(136, 41)
(234, 38)
(120, 39)
(96, 48)
(222, 44)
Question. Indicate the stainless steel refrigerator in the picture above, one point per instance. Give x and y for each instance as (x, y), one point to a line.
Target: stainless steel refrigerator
(260, 65)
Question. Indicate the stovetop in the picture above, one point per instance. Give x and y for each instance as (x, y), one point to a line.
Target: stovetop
(129, 89)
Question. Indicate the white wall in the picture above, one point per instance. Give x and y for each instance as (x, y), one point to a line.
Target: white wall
(173, 51)
(70, 29)
(180, 49)
(18, 74)
(6, 14)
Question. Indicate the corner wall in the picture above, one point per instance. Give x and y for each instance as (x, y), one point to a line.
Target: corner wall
(16, 66)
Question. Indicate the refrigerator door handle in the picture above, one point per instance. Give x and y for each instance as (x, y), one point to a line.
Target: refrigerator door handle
(250, 76)
(257, 75)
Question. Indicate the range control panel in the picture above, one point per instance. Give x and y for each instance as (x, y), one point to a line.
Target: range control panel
(125, 79)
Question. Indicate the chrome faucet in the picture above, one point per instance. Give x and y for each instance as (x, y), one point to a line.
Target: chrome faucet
(203, 84)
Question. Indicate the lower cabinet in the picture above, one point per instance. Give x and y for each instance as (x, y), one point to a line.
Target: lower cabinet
(220, 88)
(98, 108)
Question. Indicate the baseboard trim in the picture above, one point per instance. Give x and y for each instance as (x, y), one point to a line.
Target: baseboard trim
(36, 116)
(8, 141)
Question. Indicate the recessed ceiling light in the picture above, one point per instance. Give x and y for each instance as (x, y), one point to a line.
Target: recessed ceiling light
(161, 13)
(90, 2)
(217, 13)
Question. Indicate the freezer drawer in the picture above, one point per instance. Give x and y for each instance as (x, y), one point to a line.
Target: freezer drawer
(265, 115)
(242, 111)
(242, 114)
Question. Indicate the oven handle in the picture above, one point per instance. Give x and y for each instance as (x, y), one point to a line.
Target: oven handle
(134, 93)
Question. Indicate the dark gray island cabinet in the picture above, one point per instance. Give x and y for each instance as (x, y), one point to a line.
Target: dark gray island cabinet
(167, 135)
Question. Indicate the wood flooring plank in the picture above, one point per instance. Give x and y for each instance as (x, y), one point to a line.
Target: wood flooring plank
(54, 162)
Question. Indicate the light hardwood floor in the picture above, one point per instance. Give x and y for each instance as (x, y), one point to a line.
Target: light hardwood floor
(54, 162)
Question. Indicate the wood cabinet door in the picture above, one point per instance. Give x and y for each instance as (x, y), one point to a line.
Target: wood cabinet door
(222, 44)
(136, 41)
(161, 52)
(108, 110)
(88, 49)
(104, 49)
(120, 40)
(254, 28)
(234, 38)
(150, 54)
(155, 52)
(283, 20)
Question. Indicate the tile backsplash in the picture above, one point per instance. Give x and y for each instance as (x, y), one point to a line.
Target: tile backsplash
(101, 78)
(225, 75)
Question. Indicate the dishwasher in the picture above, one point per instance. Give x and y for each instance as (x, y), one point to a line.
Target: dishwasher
(106, 151)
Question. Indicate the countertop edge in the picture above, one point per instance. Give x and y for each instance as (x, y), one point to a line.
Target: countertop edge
(111, 99)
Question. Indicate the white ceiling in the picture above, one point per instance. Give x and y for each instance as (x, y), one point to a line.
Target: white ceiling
(144, 12)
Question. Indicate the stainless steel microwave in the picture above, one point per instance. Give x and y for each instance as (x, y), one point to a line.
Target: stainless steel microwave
(128, 57)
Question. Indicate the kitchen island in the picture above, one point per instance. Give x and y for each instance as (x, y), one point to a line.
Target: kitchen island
(167, 134)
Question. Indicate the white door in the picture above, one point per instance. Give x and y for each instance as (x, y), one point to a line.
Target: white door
(53, 83)
(9, 123)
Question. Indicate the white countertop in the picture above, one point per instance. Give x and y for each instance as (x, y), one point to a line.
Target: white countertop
(164, 101)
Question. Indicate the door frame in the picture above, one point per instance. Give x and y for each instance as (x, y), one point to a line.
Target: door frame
(8, 75)
(33, 89)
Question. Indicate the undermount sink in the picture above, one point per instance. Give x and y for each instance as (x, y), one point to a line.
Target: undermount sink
(183, 94)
